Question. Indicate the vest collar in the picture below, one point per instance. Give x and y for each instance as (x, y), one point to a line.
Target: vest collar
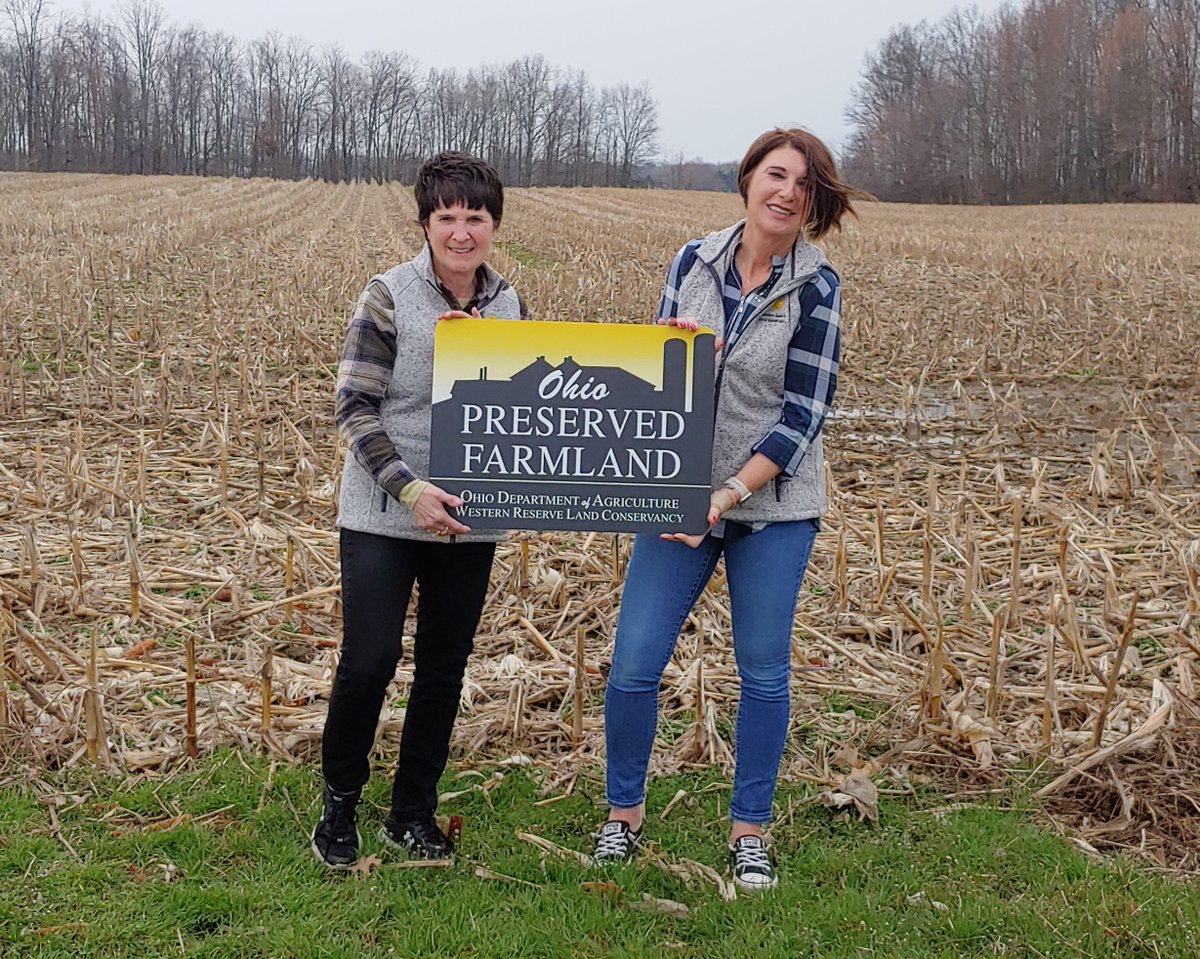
(487, 281)
(718, 248)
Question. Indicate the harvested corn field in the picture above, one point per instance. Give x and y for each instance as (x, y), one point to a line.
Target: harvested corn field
(1007, 587)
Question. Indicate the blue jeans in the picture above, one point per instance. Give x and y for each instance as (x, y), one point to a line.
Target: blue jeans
(665, 579)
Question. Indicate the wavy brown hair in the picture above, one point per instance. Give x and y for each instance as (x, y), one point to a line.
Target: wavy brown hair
(829, 197)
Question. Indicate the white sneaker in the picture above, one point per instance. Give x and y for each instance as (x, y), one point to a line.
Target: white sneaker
(751, 864)
(616, 842)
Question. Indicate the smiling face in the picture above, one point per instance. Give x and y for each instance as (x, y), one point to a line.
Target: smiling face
(459, 240)
(777, 194)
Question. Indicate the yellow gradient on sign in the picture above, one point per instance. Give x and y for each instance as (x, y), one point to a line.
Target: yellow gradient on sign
(504, 347)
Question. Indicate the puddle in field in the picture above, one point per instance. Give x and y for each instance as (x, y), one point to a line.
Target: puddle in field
(922, 414)
(916, 423)
(1072, 419)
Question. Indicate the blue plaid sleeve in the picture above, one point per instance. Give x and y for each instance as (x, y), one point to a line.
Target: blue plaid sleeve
(364, 374)
(810, 377)
(680, 267)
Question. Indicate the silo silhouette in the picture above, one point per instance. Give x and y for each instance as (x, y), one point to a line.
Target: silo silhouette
(674, 374)
(704, 362)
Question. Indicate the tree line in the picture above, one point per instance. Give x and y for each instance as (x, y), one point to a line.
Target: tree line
(138, 94)
(1052, 101)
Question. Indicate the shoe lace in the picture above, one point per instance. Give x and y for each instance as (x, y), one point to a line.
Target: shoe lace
(342, 819)
(613, 839)
(749, 855)
(426, 832)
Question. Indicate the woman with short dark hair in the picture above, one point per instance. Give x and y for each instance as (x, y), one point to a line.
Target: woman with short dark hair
(396, 528)
(774, 300)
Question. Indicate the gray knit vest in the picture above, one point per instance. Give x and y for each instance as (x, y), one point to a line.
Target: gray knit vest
(407, 405)
(750, 397)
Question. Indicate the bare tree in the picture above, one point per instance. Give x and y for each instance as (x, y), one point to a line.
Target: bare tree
(1058, 100)
(27, 19)
(527, 82)
(138, 94)
(635, 128)
(390, 103)
(144, 29)
(224, 70)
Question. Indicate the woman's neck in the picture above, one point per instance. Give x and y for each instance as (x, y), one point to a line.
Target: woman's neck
(755, 254)
(462, 287)
(757, 250)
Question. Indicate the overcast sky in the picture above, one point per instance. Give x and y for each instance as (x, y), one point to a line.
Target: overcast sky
(722, 70)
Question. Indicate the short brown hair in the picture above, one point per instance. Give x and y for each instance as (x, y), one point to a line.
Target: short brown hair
(829, 198)
(450, 177)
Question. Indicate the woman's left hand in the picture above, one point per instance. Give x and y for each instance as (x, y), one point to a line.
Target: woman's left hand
(692, 325)
(723, 499)
(429, 512)
(460, 315)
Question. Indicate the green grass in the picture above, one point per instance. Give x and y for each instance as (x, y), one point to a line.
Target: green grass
(247, 885)
(524, 255)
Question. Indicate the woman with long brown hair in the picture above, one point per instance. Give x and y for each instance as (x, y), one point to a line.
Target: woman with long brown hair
(774, 301)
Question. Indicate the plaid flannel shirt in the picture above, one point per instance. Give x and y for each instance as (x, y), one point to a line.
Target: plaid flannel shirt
(364, 374)
(810, 377)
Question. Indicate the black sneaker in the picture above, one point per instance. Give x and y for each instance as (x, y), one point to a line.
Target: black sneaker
(335, 840)
(751, 864)
(417, 838)
(616, 842)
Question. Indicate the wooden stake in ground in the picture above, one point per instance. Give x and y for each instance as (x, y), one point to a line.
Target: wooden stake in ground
(993, 700)
(289, 577)
(1062, 558)
(224, 458)
(267, 674)
(260, 462)
(1049, 702)
(879, 547)
(190, 693)
(518, 721)
(577, 704)
(1114, 674)
(970, 567)
(1069, 623)
(839, 565)
(36, 597)
(1014, 582)
(93, 711)
(935, 675)
(927, 561)
(39, 470)
(3, 685)
(135, 575)
(698, 719)
(1192, 571)
(76, 565)
(141, 474)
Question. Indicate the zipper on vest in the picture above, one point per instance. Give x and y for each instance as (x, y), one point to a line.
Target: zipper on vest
(383, 498)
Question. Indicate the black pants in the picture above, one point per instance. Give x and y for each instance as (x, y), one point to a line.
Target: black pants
(378, 573)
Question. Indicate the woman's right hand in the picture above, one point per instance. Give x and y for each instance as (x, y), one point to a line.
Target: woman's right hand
(721, 502)
(460, 315)
(430, 512)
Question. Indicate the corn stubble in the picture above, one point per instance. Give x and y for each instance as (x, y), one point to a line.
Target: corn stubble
(1008, 576)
